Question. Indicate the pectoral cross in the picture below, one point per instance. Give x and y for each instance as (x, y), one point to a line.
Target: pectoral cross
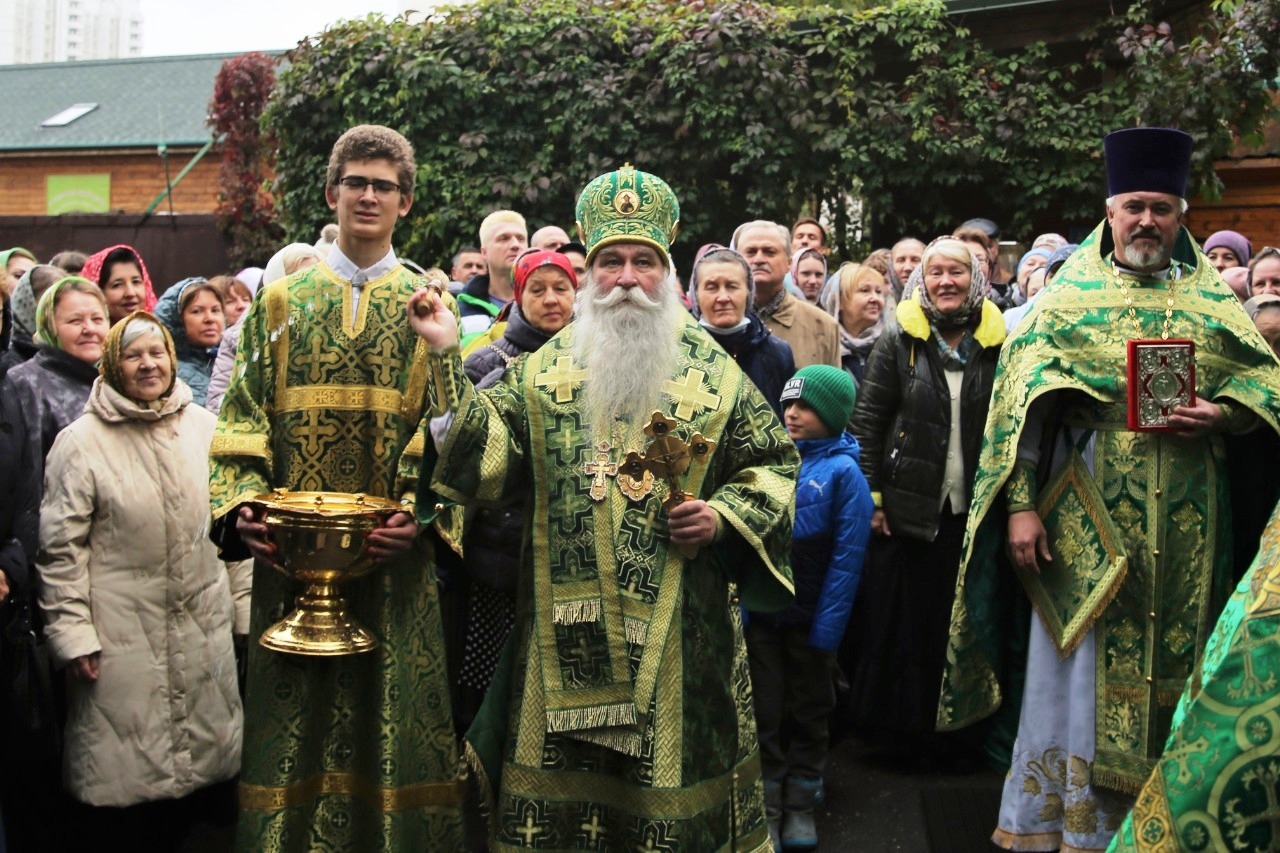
(668, 457)
(599, 470)
(689, 394)
(562, 379)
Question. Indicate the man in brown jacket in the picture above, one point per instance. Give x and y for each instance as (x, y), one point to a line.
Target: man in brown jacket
(813, 334)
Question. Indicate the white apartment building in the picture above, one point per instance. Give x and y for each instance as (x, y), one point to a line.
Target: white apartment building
(60, 30)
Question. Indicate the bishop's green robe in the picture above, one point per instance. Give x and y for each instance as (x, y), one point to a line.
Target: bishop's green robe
(1217, 786)
(1133, 628)
(627, 722)
(356, 752)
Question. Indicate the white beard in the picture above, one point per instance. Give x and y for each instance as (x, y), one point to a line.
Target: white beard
(1148, 260)
(625, 342)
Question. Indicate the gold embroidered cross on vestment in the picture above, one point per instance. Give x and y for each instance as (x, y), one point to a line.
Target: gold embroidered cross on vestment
(690, 395)
(562, 379)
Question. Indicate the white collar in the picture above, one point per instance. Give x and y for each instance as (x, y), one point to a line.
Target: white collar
(348, 271)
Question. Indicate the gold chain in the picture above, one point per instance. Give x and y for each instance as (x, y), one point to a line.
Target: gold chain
(1133, 314)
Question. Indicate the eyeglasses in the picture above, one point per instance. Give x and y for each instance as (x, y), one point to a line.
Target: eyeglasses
(357, 184)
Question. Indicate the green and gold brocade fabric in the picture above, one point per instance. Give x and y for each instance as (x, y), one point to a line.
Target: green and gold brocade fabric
(1217, 785)
(320, 400)
(1164, 494)
(356, 752)
(631, 721)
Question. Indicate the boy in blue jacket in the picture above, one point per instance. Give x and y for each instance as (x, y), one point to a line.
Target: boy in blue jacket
(793, 652)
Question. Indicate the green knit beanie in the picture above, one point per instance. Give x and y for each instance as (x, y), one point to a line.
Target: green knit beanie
(828, 390)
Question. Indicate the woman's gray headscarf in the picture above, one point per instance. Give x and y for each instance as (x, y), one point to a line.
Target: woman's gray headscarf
(24, 297)
(714, 253)
(24, 306)
(971, 308)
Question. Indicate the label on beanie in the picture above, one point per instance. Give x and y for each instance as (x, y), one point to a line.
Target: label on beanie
(793, 390)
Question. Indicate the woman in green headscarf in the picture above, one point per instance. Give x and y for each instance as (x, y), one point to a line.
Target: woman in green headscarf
(50, 390)
(13, 263)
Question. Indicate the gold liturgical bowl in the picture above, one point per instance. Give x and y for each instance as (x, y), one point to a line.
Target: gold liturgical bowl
(320, 539)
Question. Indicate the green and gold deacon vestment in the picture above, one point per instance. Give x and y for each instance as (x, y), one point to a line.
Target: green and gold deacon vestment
(357, 752)
(1217, 786)
(628, 724)
(1165, 495)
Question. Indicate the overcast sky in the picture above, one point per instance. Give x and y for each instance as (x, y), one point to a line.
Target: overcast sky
(171, 28)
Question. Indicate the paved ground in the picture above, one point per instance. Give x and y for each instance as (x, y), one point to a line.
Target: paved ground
(875, 802)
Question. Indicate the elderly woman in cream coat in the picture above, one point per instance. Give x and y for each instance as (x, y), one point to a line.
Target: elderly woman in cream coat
(137, 604)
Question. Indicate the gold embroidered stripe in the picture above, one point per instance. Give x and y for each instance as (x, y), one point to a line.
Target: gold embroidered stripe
(666, 803)
(346, 397)
(423, 794)
(238, 445)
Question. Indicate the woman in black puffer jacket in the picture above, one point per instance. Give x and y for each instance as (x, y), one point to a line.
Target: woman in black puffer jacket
(920, 417)
(545, 286)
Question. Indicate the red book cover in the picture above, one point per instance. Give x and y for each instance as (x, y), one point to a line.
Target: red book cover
(1162, 376)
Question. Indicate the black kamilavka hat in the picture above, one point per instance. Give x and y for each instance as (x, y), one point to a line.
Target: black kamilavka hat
(1148, 159)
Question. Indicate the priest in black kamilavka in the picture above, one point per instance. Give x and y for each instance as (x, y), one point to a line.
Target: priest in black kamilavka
(1103, 471)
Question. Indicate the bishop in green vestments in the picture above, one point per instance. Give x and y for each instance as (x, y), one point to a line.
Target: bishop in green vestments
(1136, 522)
(330, 392)
(1217, 785)
(625, 722)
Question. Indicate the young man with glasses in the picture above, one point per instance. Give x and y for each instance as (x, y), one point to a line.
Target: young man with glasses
(329, 393)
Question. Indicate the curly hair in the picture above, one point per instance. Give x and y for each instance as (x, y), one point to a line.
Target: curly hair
(373, 142)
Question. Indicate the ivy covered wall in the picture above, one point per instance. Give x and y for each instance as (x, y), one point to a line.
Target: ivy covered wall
(751, 110)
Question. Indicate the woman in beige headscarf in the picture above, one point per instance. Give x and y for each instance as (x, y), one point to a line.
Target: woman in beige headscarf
(137, 605)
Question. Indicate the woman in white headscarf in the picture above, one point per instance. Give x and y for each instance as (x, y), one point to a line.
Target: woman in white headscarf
(920, 418)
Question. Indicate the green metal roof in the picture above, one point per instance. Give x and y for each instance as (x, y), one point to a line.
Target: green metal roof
(141, 102)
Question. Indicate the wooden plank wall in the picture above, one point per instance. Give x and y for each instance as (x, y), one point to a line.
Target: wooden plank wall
(1250, 203)
(137, 177)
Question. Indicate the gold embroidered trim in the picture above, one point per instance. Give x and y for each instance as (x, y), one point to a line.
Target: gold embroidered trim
(628, 741)
(1154, 828)
(1026, 841)
(636, 630)
(277, 306)
(573, 612)
(594, 717)
(415, 391)
(353, 326)
(417, 445)
(271, 799)
(239, 445)
(1020, 490)
(358, 398)
(1117, 782)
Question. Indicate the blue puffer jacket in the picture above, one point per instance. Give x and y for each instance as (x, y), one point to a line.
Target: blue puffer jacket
(829, 540)
(195, 363)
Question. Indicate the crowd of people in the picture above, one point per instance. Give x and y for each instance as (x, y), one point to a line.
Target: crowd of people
(658, 535)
